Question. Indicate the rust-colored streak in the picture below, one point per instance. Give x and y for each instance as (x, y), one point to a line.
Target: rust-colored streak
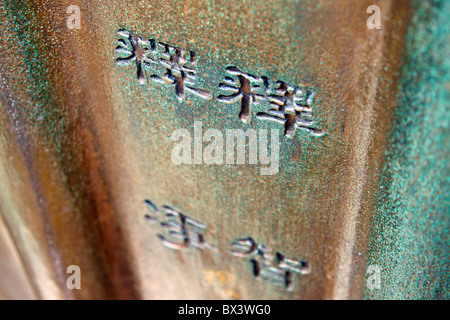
(75, 216)
(100, 221)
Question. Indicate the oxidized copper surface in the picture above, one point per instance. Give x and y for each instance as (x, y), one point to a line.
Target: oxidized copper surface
(85, 141)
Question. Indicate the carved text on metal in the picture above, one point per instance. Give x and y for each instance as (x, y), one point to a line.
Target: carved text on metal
(291, 106)
(179, 65)
(181, 231)
(268, 265)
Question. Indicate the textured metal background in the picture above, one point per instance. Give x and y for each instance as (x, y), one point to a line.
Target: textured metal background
(83, 144)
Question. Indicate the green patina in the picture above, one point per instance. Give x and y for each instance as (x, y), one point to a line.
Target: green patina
(409, 239)
(37, 45)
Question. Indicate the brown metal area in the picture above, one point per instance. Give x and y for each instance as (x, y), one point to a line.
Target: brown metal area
(73, 181)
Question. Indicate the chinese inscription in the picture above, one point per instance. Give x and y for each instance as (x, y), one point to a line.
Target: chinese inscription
(179, 65)
(290, 106)
(268, 265)
(243, 91)
(181, 231)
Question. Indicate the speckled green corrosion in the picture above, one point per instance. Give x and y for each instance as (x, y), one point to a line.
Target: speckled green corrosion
(410, 228)
(300, 210)
(41, 110)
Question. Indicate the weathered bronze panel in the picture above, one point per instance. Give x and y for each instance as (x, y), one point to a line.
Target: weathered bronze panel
(85, 141)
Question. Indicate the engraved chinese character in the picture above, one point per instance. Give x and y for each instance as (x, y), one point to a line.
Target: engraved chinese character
(180, 71)
(138, 51)
(181, 231)
(268, 265)
(243, 91)
(291, 108)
